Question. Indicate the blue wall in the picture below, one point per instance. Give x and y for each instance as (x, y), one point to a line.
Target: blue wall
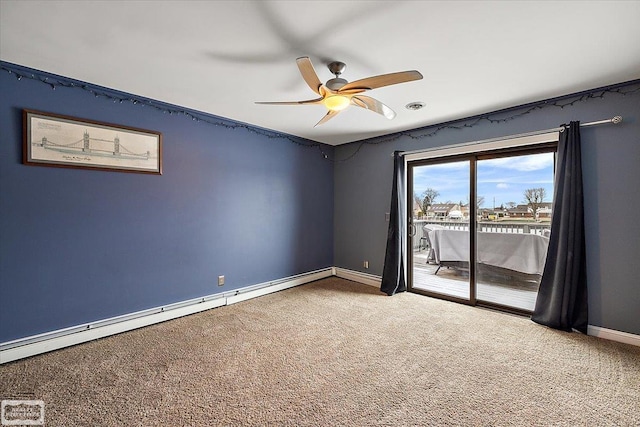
(78, 246)
(83, 245)
(611, 177)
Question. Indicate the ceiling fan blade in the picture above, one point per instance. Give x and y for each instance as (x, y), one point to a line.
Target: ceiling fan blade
(374, 105)
(309, 101)
(330, 114)
(309, 74)
(383, 80)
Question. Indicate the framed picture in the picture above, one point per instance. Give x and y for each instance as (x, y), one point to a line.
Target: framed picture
(62, 141)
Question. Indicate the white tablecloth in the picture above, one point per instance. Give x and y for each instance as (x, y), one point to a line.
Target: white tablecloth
(525, 253)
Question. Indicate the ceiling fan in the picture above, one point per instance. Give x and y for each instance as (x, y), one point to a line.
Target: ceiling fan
(337, 94)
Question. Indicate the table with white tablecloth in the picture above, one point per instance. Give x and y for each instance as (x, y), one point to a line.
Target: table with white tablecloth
(520, 252)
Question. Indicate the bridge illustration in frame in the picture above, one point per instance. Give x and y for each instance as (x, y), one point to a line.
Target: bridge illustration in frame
(62, 141)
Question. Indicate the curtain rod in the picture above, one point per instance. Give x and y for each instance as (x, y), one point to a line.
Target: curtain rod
(615, 120)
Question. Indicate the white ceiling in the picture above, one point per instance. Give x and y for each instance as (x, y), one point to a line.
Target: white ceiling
(220, 56)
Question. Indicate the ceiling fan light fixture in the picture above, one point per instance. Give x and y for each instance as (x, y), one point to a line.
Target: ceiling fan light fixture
(336, 102)
(337, 94)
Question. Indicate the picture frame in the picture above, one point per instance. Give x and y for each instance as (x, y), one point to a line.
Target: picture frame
(69, 142)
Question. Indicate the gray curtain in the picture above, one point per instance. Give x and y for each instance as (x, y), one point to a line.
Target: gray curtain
(393, 280)
(562, 297)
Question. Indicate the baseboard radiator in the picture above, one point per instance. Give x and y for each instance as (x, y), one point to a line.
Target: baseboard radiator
(54, 340)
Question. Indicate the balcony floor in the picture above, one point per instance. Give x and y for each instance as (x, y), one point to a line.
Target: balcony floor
(492, 287)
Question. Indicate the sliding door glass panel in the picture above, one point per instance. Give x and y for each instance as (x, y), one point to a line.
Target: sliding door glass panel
(513, 224)
(440, 217)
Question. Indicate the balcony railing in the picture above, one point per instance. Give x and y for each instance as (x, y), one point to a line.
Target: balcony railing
(484, 226)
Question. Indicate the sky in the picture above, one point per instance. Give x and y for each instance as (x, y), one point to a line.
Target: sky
(503, 180)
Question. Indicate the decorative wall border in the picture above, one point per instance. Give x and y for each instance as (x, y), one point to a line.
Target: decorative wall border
(494, 117)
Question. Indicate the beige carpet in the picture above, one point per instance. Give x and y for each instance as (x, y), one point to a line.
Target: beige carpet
(336, 353)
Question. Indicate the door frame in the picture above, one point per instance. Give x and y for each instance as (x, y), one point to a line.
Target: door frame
(472, 158)
(472, 282)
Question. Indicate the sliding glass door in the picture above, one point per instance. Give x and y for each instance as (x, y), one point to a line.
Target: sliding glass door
(440, 224)
(513, 227)
(490, 251)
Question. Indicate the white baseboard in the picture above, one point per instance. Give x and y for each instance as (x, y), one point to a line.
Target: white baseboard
(596, 331)
(44, 343)
(613, 335)
(54, 340)
(357, 276)
(279, 285)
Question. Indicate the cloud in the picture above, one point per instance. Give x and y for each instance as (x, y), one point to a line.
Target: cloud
(526, 163)
(501, 179)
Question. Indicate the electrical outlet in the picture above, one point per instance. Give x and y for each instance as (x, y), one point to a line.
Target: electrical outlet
(220, 280)
(366, 264)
